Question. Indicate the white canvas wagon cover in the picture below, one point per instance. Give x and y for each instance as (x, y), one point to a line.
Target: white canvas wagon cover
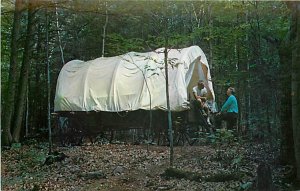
(130, 81)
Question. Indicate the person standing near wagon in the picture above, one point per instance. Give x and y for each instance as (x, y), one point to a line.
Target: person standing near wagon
(229, 110)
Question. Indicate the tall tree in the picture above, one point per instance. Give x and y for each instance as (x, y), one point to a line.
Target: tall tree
(23, 80)
(104, 29)
(210, 24)
(49, 81)
(287, 141)
(296, 83)
(59, 37)
(9, 104)
(287, 154)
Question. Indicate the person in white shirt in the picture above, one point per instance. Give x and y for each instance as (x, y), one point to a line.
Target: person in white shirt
(200, 95)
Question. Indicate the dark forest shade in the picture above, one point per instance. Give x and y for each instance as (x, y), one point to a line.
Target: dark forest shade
(249, 46)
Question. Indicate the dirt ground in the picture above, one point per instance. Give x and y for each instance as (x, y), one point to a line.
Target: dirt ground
(230, 166)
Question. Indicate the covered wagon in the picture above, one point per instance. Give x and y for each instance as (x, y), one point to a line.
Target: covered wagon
(129, 90)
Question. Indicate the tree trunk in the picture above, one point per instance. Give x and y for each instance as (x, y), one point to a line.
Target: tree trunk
(238, 84)
(296, 85)
(9, 104)
(48, 85)
(36, 100)
(210, 23)
(287, 151)
(104, 30)
(248, 85)
(264, 177)
(23, 82)
(170, 130)
(58, 37)
(287, 142)
(27, 112)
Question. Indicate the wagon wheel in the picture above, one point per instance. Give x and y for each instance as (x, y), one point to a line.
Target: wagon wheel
(162, 137)
(181, 139)
(182, 135)
(70, 133)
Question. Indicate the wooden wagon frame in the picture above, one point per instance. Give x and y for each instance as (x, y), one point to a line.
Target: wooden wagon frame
(74, 127)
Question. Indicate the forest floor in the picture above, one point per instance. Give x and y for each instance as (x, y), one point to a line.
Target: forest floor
(207, 166)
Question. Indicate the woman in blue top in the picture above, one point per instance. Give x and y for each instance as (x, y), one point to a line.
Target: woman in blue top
(229, 111)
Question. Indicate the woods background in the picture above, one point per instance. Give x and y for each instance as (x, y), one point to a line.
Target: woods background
(253, 46)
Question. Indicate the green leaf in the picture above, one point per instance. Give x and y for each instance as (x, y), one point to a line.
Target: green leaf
(246, 186)
(16, 145)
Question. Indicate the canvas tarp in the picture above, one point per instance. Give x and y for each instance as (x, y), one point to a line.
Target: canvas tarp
(130, 81)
